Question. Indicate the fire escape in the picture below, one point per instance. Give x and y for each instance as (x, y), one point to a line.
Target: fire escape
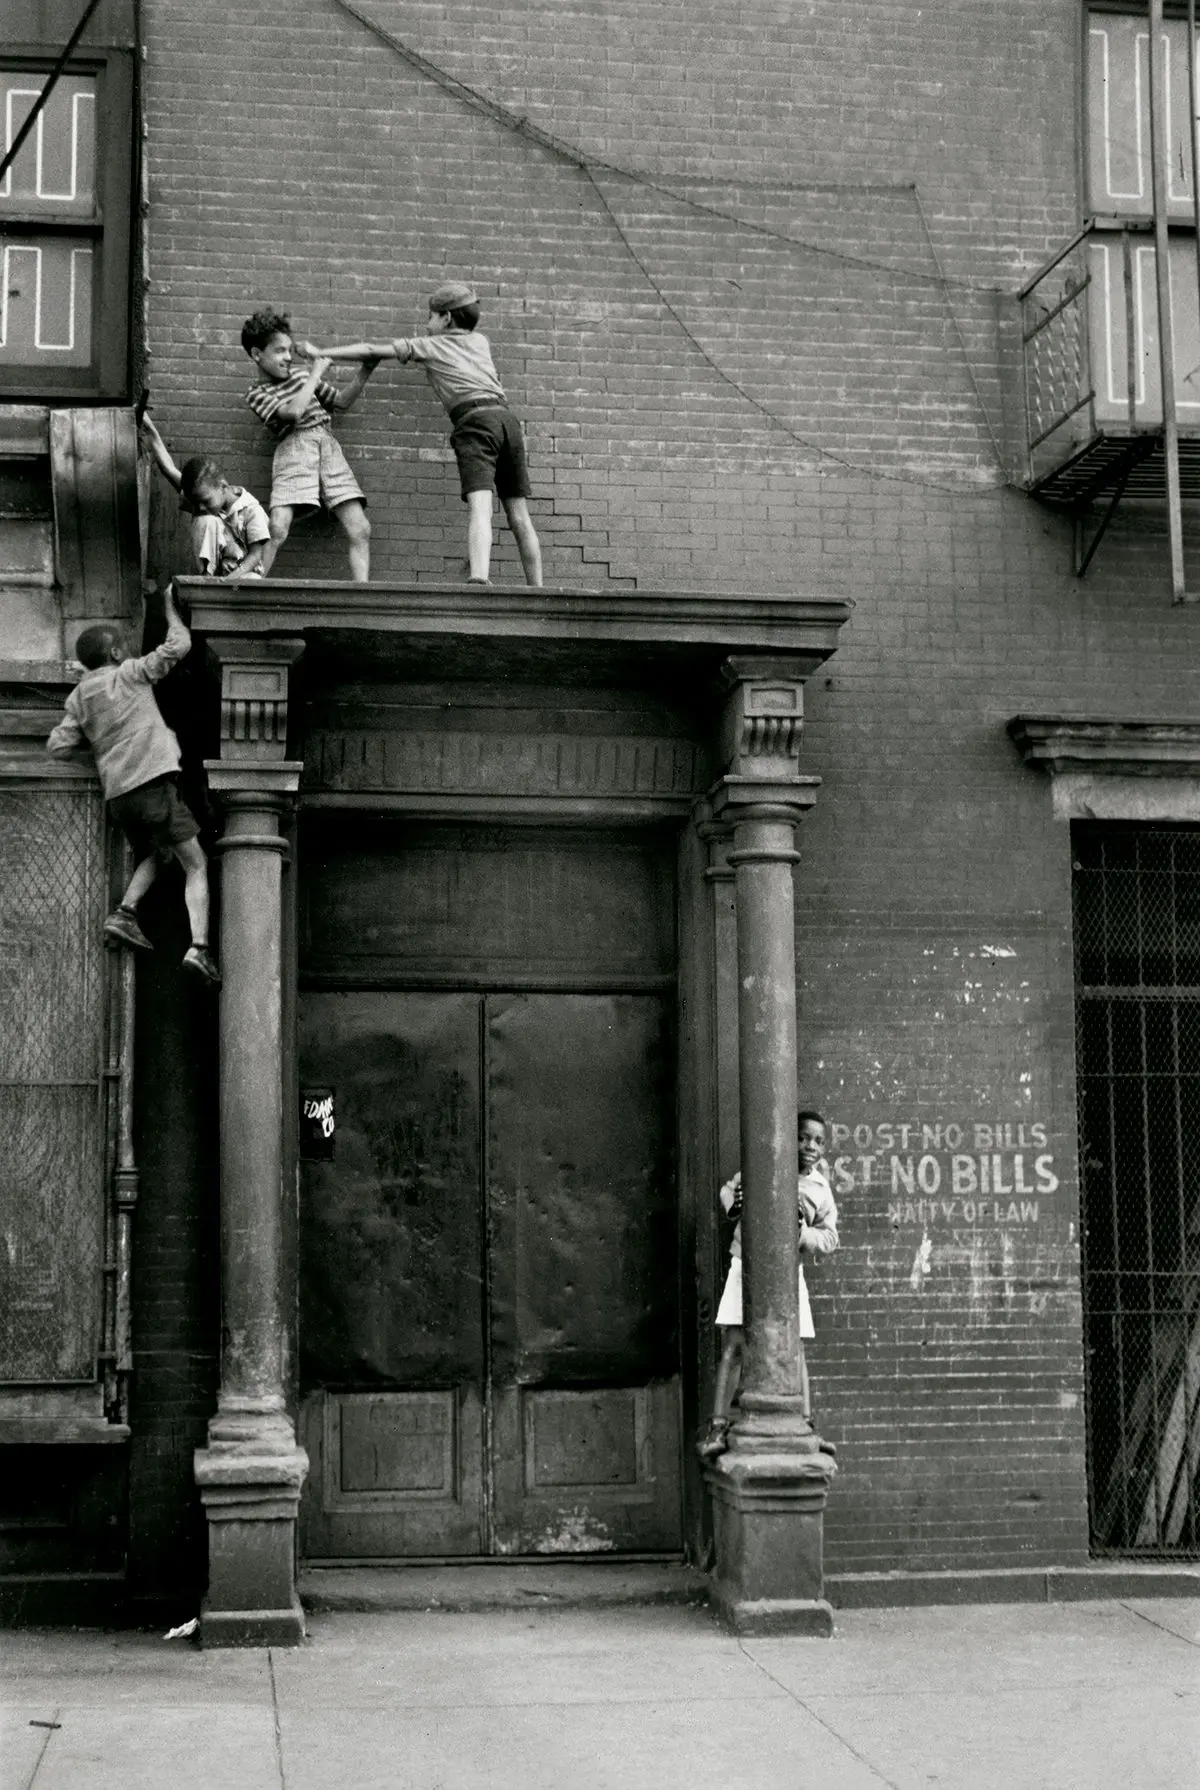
(1110, 326)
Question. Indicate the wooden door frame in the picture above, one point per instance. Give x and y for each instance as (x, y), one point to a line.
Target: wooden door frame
(705, 1071)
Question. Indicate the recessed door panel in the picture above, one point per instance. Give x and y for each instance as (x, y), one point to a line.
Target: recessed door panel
(582, 1292)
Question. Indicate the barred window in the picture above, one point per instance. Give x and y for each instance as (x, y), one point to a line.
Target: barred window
(1137, 970)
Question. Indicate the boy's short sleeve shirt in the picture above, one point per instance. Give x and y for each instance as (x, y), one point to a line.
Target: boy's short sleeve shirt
(266, 396)
(247, 521)
(458, 365)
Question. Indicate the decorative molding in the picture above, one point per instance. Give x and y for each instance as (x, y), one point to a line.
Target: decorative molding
(803, 628)
(254, 696)
(1059, 743)
(1115, 770)
(763, 720)
(497, 764)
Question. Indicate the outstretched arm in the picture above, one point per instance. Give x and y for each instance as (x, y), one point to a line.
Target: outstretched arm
(154, 444)
(349, 393)
(365, 351)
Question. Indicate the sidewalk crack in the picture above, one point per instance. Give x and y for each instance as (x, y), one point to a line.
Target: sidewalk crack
(51, 1730)
(1160, 1626)
(820, 1720)
(275, 1720)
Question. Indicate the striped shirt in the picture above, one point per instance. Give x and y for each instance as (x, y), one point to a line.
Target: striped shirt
(267, 395)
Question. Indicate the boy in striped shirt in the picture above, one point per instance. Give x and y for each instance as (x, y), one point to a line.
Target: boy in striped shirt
(295, 403)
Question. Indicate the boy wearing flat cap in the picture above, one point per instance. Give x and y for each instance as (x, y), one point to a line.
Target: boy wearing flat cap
(486, 436)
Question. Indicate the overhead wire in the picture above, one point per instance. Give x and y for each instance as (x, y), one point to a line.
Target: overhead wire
(588, 165)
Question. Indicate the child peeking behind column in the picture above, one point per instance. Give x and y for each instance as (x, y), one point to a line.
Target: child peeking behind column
(487, 438)
(817, 1217)
(112, 712)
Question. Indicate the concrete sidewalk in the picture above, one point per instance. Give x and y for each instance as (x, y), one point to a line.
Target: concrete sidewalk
(1012, 1696)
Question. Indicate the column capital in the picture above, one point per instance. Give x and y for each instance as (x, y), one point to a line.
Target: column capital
(254, 783)
(763, 718)
(749, 798)
(254, 695)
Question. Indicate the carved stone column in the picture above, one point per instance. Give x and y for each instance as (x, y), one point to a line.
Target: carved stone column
(769, 1489)
(251, 1473)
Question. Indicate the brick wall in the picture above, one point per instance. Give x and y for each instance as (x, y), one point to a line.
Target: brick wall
(745, 371)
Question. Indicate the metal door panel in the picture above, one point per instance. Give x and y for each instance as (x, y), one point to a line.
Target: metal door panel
(391, 1339)
(393, 1475)
(582, 1275)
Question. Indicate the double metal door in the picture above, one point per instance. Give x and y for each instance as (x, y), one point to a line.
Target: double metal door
(489, 1350)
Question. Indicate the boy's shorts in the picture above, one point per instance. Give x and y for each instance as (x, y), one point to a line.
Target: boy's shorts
(154, 817)
(310, 469)
(489, 445)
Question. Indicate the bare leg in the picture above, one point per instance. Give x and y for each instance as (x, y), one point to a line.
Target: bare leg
(804, 1386)
(479, 534)
(140, 881)
(353, 518)
(729, 1375)
(528, 545)
(195, 887)
(281, 524)
(121, 927)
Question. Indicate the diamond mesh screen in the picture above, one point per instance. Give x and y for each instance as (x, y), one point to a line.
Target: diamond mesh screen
(51, 1115)
(1137, 969)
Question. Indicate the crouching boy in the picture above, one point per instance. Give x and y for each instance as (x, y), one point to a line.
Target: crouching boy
(231, 536)
(113, 713)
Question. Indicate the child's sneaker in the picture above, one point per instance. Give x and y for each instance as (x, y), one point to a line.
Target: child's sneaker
(201, 962)
(121, 928)
(716, 1441)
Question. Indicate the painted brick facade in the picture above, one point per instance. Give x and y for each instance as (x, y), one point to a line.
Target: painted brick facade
(720, 309)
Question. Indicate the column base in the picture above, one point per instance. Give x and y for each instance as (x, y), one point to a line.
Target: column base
(768, 1521)
(250, 1489)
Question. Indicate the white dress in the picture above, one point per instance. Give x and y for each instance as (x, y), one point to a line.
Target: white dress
(818, 1233)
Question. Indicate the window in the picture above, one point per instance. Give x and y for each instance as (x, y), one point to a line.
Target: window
(65, 212)
(1137, 971)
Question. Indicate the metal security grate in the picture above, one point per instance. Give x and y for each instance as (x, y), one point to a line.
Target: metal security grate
(1137, 972)
(51, 1091)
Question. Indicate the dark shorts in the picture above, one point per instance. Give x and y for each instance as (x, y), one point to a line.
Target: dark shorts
(489, 445)
(154, 818)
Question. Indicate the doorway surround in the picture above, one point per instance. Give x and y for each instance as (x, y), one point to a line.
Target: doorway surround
(578, 708)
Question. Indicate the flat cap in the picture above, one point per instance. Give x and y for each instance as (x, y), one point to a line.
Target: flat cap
(452, 296)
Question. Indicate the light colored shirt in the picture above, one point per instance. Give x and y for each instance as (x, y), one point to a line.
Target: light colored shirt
(267, 395)
(816, 1212)
(230, 537)
(458, 365)
(112, 710)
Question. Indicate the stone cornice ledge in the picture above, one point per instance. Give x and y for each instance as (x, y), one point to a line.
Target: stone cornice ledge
(713, 619)
(1063, 744)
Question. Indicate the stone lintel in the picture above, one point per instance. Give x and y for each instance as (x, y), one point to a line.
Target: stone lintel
(799, 629)
(1060, 743)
